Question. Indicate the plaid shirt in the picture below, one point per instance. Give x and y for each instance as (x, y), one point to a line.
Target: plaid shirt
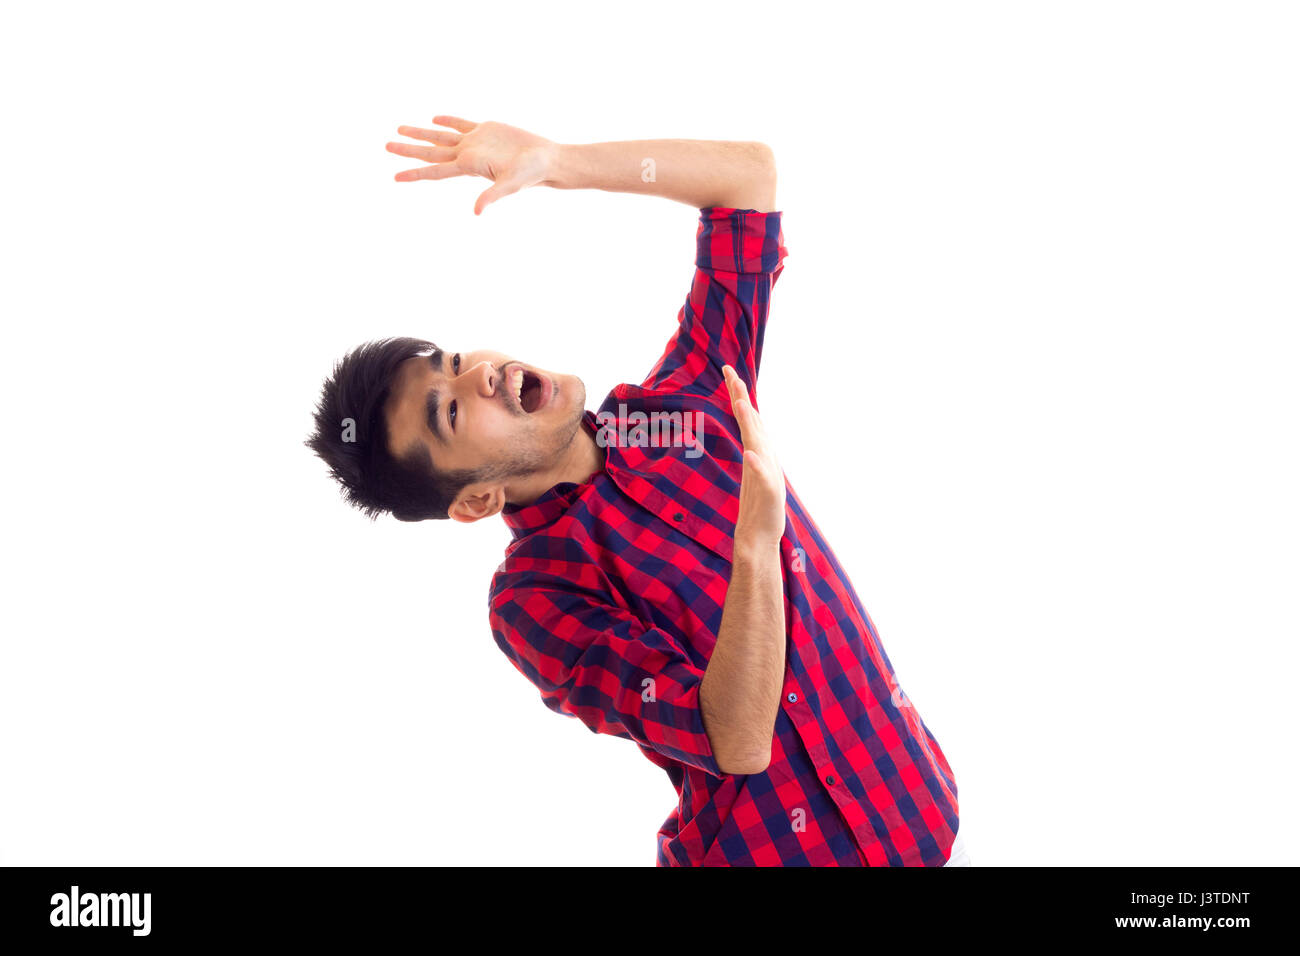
(610, 599)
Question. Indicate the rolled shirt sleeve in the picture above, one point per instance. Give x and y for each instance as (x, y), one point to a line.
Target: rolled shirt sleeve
(739, 255)
(601, 664)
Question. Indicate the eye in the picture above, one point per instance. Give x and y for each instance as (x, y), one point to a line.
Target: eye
(451, 409)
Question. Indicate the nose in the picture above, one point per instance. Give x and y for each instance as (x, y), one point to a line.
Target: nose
(484, 378)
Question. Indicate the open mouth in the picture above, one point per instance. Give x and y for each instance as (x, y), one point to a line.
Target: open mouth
(528, 389)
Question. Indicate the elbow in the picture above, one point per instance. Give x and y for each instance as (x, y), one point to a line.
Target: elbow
(744, 768)
(764, 177)
(742, 765)
(747, 769)
(766, 158)
(738, 750)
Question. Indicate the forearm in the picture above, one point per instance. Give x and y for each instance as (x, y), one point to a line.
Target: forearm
(738, 175)
(741, 689)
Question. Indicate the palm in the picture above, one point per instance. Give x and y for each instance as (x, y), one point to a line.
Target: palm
(512, 158)
(761, 510)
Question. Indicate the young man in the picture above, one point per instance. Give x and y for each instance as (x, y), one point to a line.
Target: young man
(664, 583)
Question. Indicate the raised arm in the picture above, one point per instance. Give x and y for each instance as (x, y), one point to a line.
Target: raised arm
(700, 173)
(740, 693)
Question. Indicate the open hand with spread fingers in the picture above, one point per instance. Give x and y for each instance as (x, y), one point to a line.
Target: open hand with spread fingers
(512, 158)
(760, 522)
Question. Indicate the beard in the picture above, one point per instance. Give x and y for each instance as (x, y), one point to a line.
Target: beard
(529, 458)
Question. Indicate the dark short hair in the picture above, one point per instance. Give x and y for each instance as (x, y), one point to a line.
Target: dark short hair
(351, 436)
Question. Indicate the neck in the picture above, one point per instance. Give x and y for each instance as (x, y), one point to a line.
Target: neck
(579, 462)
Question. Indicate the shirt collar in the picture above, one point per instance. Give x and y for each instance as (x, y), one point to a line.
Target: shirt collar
(523, 520)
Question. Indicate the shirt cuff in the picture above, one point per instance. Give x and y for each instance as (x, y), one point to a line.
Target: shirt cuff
(738, 240)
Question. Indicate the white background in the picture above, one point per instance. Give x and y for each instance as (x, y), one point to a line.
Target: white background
(1031, 365)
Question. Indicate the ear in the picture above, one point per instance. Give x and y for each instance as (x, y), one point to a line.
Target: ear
(478, 503)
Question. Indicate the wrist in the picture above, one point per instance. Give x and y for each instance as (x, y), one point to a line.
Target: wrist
(753, 548)
(563, 166)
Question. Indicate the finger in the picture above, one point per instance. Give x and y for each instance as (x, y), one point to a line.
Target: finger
(736, 391)
(439, 136)
(491, 195)
(734, 385)
(752, 433)
(455, 122)
(764, 471)
(441, 171)
(430, 154)
(764, 462)
(736, 388)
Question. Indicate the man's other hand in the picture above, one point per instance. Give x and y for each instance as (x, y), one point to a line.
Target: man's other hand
(760, 522)
(512, 158)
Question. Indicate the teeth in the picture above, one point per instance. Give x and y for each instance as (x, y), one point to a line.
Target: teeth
(517, 382)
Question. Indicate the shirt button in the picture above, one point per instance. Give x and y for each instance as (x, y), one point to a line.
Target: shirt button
(678, 517)
(830, 779)
(792, 697)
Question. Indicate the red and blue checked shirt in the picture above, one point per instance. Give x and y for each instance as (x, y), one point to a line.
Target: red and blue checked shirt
(610, 598)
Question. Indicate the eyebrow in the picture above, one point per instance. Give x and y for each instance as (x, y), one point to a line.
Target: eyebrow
(431, 403)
